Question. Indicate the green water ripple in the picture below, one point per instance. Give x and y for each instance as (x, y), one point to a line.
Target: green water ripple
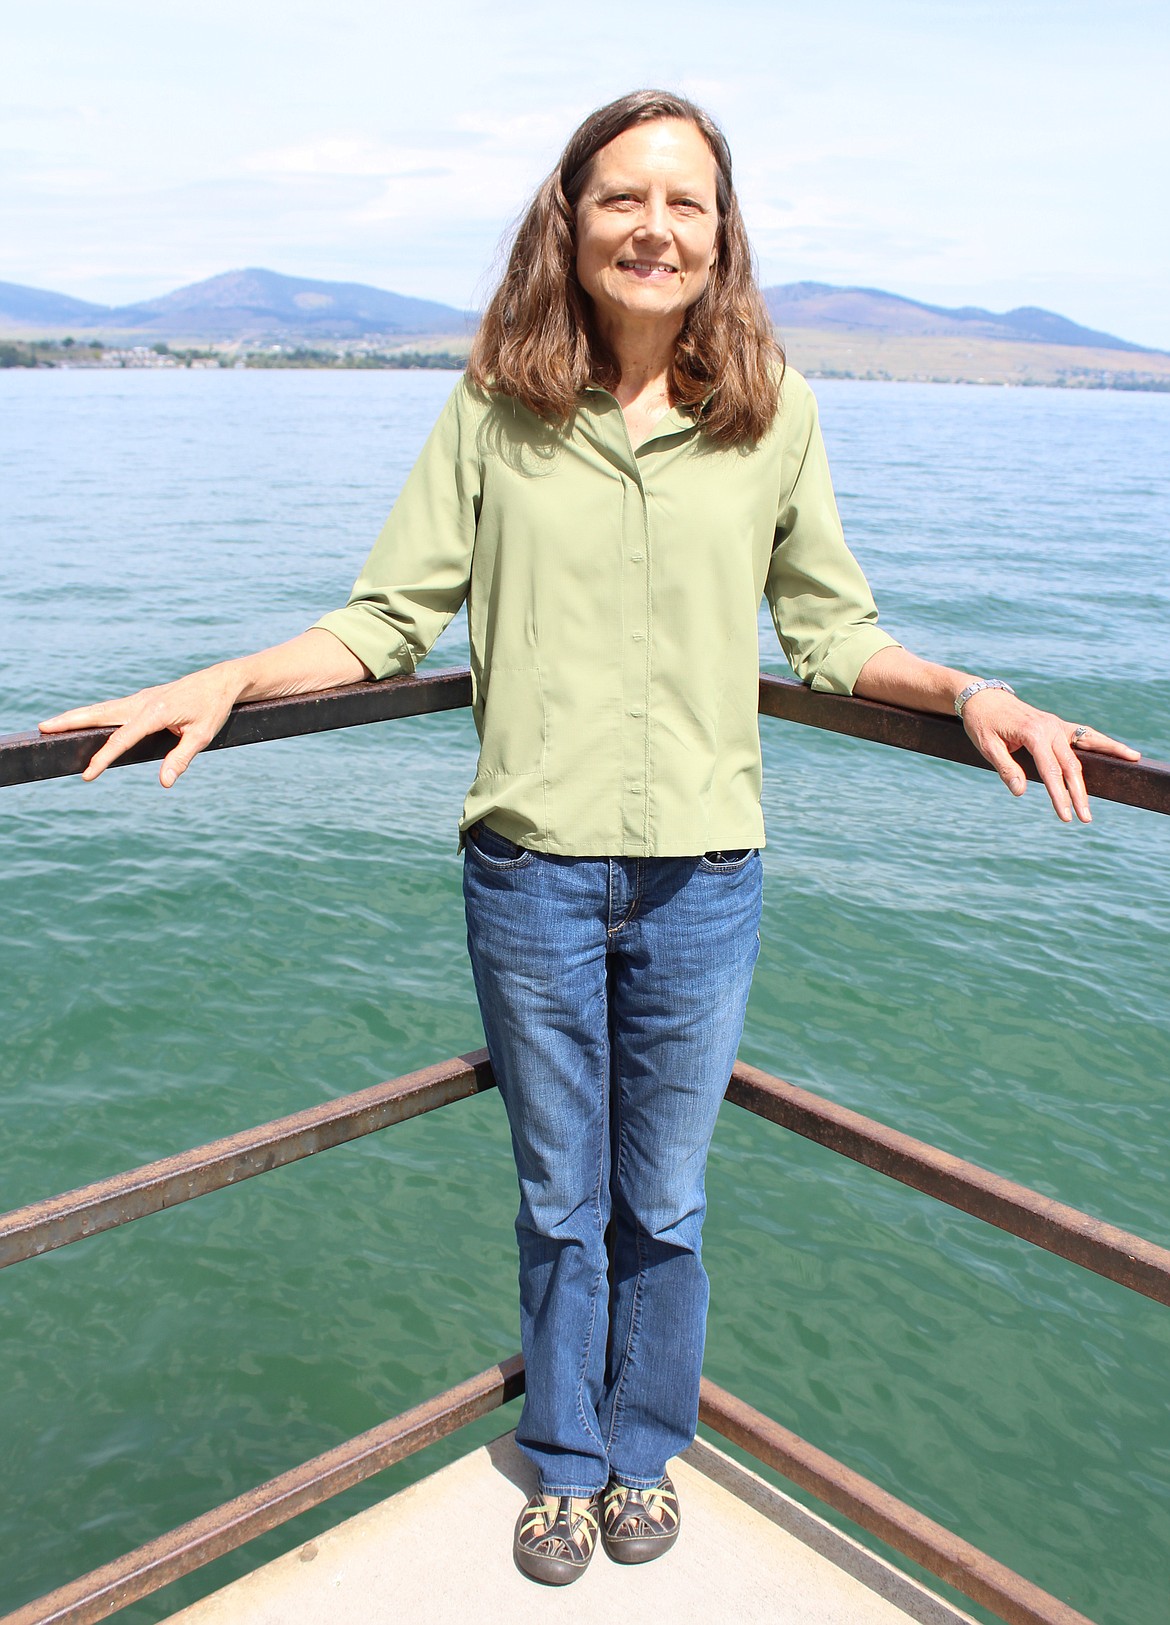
(286, 927)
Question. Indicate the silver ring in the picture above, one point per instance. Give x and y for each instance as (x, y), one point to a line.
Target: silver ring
(1079, 734)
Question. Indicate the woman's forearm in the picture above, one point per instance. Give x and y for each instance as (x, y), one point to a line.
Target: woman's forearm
(901, 678)
(303, 665)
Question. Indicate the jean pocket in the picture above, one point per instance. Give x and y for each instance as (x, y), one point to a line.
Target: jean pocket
(722, 863)
(496, 851)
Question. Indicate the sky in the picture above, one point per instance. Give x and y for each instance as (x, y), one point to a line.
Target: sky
(988, 152)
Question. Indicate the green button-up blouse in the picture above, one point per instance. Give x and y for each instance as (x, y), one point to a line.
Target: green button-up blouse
(612, 598)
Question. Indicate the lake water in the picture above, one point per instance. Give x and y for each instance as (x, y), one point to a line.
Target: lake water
(286, 926)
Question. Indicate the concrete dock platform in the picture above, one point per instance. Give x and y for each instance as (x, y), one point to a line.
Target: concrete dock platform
(746, 1553)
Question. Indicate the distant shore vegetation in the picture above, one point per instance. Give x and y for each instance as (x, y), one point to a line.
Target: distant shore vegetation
(394, 360)
(863, 357)
(69, 352)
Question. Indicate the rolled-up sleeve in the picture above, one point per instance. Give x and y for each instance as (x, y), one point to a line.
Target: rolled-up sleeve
(821, 605)
(416, 577)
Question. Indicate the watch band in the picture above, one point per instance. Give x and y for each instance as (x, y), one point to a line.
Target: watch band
(977, 687)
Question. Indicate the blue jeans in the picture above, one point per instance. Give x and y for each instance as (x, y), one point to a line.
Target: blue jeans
(612, 992)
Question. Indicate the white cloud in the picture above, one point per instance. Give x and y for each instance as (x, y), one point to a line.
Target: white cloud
(342, 155)
(956, 152)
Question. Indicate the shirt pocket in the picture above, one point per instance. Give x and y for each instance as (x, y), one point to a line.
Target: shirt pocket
(512, 723)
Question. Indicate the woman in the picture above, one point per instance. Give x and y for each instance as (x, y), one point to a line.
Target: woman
(623, 475)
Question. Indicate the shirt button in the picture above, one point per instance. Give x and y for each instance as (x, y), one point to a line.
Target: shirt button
(638, 636)
(638, 711)
(636, 789)
(637, 558)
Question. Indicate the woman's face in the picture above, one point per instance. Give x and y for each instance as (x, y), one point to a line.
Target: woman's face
(647, 225)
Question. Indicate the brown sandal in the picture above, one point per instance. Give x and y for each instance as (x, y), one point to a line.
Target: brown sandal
(639, 1525)
(557, 1550)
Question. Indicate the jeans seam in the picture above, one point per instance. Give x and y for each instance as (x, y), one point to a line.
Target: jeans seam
(590, 1432)
(631, 1340)
(636, 1306)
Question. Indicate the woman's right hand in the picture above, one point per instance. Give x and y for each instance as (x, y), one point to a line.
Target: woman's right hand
(195, 707)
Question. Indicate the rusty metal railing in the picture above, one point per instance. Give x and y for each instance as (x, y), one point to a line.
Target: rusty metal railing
(192, 1545)
(1143, 784)
(1106, 1250)
(26, 757)
(104, 1591)
(1133, 1261)
(938, 1550)
(42, 1226)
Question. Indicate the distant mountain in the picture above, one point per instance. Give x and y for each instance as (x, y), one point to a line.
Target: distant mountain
(252, 304)
(868, 310)
(32, 307)
(263, 305)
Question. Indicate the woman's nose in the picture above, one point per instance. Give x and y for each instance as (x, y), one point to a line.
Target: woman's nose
(653, 223)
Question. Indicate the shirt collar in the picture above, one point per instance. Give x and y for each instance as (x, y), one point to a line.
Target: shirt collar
(675, 420)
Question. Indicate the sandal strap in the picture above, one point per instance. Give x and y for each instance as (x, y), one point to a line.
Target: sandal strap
(633, 1514)
(569, 1536)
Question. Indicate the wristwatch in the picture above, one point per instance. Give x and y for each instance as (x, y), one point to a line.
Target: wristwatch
(976, 687)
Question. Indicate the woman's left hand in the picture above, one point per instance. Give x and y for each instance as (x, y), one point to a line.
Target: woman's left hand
(999, 723)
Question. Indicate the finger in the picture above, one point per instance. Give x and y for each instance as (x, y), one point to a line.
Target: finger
(176, 762)
(1092, 739)
(1074, 779)
(119, 742)
(87, 716)
(1004, 763)
(1052, 777)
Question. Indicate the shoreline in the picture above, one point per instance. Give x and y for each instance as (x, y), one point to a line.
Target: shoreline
(856, 356)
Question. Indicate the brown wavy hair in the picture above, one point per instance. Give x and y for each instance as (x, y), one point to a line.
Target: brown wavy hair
(539, 340)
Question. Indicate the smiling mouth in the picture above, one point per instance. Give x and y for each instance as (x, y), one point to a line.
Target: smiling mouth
(647, 268)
